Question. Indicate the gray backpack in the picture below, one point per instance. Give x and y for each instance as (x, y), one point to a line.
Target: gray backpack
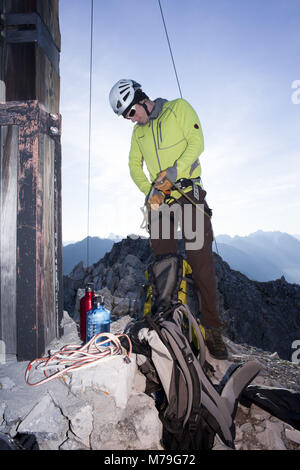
(172, 355)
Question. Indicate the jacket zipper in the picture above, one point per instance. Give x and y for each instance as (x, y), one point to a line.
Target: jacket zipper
(156, 147)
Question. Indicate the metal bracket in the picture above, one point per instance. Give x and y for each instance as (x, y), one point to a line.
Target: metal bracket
(27, 28)
(54, 125)
(32, 115)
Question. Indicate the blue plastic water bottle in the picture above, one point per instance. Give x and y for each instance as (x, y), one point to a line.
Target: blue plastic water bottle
(97, 319)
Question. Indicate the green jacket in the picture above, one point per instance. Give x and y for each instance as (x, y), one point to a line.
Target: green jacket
(172, 139)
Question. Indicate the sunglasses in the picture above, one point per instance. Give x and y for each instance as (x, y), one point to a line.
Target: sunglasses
(131, 113)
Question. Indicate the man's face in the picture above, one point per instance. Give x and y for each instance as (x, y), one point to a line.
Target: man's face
(139, 116)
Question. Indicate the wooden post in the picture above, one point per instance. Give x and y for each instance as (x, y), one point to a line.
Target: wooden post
(31, 296)
(2, 84)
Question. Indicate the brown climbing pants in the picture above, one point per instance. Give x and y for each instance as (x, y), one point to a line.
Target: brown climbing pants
(200, 259)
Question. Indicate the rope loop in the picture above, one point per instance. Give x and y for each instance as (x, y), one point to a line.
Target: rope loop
(76, 357)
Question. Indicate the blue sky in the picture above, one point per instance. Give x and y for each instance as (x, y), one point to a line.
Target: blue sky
(236, 60)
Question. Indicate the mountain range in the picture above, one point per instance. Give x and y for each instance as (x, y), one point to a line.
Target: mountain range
(75, 252)
(261, 256)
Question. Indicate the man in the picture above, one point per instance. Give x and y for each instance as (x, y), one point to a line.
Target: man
(168, 137)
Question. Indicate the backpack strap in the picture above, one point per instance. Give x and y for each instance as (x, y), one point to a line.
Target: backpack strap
(160, 355)
(239, 379)
(209, 396)
(203, 398)
(220, 420)
(186, 359)
(183, 310)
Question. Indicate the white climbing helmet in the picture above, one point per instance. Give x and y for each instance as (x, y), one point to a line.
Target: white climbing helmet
(122, 95)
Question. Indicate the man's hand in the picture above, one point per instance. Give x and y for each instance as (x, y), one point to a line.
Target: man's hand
(156, 201)
(161, 183)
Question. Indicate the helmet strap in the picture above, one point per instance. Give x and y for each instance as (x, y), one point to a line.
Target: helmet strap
(145, 108)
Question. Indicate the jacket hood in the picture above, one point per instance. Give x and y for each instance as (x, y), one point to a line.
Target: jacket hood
(159, 102)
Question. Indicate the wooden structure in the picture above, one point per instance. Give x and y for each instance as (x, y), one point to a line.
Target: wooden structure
(31, 296)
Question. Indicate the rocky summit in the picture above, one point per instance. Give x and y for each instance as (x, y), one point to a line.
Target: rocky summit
(105, 407)
(261, 314)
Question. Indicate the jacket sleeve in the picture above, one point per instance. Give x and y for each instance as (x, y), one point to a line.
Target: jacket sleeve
(136, 167)
(189, 122)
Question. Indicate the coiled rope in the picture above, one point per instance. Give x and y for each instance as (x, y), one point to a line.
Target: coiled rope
(76, 357)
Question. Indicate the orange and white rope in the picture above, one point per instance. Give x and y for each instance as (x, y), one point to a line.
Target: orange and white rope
(73, 357)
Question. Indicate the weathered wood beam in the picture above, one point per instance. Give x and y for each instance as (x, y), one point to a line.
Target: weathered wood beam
(30, 51)
(31, 253)
(31, 284)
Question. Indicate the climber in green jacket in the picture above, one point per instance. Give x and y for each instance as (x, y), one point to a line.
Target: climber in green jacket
(168, 137)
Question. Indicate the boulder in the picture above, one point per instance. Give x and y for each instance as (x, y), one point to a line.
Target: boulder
(46, 422)
(114, 377)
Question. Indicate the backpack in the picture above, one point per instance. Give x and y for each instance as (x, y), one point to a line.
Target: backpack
(168, 281)
(171, 353)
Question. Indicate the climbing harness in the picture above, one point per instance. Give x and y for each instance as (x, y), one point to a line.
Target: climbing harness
(184, 183)
(206, 211)
(76, 357)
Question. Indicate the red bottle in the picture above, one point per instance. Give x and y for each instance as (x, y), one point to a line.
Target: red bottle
(86, 304)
